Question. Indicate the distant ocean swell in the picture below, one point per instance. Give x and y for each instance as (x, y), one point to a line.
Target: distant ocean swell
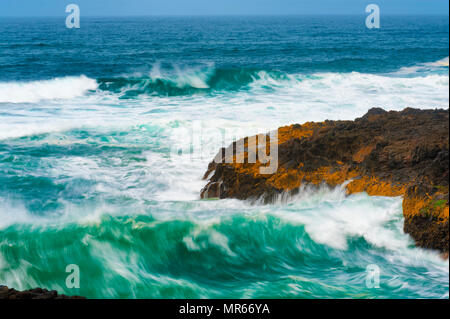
(181, 81)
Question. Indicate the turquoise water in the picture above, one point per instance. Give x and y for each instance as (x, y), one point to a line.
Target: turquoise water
(101, 163)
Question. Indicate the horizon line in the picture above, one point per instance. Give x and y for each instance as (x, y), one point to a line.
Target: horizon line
(446, 14)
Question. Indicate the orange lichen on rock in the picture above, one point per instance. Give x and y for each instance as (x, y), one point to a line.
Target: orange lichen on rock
(360, 155)
(375, 187)
(286, 133)
(424, 206)
(292, 178)
(427, 220)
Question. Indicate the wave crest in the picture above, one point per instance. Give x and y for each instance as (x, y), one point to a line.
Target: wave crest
(178, 81)
(35, 91)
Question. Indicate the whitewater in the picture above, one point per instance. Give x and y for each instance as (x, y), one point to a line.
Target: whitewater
(100, 188)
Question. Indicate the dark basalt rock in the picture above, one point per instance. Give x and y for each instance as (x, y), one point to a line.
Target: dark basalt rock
(36, 293)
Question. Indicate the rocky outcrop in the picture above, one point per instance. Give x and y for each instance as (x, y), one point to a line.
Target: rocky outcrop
(37, 293)
(382, 153)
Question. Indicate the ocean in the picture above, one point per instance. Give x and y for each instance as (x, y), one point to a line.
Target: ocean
(97, 168)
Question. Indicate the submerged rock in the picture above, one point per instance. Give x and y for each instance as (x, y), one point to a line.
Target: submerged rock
(382, 153)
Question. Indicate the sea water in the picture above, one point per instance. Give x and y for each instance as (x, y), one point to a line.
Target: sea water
(89, 119)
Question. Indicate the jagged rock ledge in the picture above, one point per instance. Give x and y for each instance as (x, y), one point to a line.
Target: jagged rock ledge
(36, 293)
(382, 153)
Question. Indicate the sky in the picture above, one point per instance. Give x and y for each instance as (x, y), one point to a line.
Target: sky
(30, 8)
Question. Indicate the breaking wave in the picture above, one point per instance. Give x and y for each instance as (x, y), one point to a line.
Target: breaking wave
(54, 89)
(187, 81)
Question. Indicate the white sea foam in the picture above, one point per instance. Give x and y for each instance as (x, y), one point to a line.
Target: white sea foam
(424, 68)
(442, 62)
(333, 219)
(13, 212)
(35, 91)
(268, 103)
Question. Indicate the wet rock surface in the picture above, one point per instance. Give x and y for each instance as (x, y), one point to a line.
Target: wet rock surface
(382, 153)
